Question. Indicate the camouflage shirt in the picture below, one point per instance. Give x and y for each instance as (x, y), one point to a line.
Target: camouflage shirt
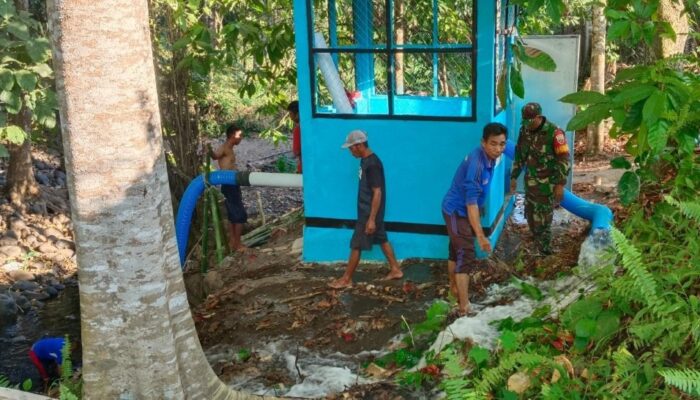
(543, 153)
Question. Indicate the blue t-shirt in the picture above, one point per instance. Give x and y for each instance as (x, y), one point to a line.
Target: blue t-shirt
(470, 183)
(49, 349)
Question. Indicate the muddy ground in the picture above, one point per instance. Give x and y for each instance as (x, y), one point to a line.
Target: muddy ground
(269, 296)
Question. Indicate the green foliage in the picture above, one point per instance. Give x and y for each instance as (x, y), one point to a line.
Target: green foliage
(68, 388)
(657, 107)
(532, 57)
(528, 290)
(688, 380)
(25, 76)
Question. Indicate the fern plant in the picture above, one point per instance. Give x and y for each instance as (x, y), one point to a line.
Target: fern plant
(687, 380)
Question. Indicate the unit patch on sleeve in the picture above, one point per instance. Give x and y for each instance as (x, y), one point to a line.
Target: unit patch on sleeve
(560, 145)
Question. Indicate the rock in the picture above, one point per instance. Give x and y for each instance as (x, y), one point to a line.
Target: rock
(18, 223)
(31, 241)
(66, 253)
(25, 286)
(212, 282)
(52, 232)
(18, 339)
(42, 179)
(59, 286)
(64, 244)
(519, 382)
(13, 233)
(37, 265)
(38, 208)
(36, 295)
(51, 291)
(11, 251)
(21, 301)
(58, 174)
(48, 248)
(11, 266)
(8, 310)
(21, 275)
(297, 246)
(8, 241)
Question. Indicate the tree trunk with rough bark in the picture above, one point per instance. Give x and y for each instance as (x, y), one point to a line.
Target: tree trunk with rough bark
(21, 184)
(672, 11)
(399, 12)
(139, 339)
(596, 132)
(20, 173)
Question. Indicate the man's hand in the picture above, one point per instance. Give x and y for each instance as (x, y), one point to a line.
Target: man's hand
(558, 193)
(513, 186)
(370, 227)
(484, 244)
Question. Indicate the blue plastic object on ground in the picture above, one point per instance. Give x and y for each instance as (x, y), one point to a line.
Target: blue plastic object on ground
(189, 202)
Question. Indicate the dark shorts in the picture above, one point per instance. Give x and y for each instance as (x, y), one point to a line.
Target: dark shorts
(234, 204)
(362, 241)
(461, 250)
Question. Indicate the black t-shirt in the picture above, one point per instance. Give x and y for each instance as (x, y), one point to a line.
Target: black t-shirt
(371, 176)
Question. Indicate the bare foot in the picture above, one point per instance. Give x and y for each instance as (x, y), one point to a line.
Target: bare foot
(393, 274)
(340, 283)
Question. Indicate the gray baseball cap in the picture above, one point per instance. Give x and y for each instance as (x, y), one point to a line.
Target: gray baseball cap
(355, 137)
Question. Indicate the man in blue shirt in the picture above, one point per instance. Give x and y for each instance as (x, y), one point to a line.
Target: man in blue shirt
(46, 357)
(460, 208)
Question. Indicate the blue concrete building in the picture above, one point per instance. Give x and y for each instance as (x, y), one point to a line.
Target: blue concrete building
(420, 77)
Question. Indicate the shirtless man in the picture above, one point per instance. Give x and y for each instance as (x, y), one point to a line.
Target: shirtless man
(235, 210)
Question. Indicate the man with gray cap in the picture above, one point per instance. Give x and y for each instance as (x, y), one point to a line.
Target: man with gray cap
(371, 198)
(543, 153)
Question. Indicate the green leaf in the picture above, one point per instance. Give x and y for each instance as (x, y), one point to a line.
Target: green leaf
(585, 328)
(39, 49)
(628, 188)
(619, 116)
(657, 136)
(12, 100)
(537, 59)
(528, 290)
(580, 343)
(479, 355)
(614, 14)
(13, 134)
(592, 114)
(18, 29)
(584, 98)
(654, 107)
(634, 117)
(43, 70)
(509, 340)
(7, 8)
(632, 73)
(27, 385)
(26, 80)
(516, 82)
(607, 324)
(620, 163)
(7, 80)
(633, 93)
(619, 29)
(3, 151)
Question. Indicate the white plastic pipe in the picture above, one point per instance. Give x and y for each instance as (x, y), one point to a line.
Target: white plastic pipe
(330, 75)
(275, 179)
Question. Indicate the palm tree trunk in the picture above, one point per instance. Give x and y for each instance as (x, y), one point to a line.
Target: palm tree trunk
(139, 339)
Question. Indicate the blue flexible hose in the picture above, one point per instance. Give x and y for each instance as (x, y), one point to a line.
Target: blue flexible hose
(188, 204)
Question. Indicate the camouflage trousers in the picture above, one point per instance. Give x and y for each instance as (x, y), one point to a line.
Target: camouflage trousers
(539, 209)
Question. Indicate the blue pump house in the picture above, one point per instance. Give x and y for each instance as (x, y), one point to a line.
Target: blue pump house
(422, 75)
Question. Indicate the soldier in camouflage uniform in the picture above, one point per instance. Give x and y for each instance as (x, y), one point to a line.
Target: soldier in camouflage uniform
(542, 151)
